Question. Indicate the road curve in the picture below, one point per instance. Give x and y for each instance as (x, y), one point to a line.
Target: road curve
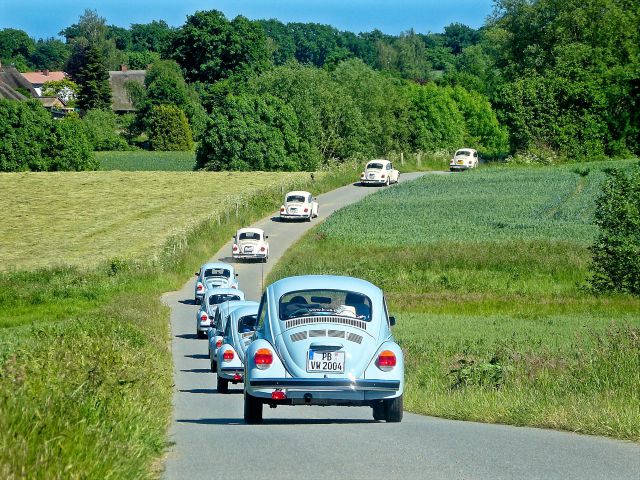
(210, 439)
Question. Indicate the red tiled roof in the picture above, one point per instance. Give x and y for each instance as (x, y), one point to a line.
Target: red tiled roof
(38, 78)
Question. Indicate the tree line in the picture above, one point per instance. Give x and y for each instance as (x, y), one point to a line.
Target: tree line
(541, 79)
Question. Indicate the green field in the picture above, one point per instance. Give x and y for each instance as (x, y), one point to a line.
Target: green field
(142, 160)
(86, 218)
(487, 272)
(85, 364)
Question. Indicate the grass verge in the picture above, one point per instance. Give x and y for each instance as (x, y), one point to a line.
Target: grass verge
(85, 374)
(486, 271)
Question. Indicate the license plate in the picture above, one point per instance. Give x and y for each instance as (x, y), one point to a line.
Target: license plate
(248, 249)
(327, 362)
(460, 162)
(293, 210)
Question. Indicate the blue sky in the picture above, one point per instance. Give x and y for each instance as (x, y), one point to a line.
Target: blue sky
(390, 16)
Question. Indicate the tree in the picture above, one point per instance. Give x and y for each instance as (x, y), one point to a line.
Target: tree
(208, 47)
(65, 89)
(51, 54)
(15, 47)
(169, 129)
(68, 147)
(459, 36)
(616, 252)
(251, 132)
(101, 129)
(93, 78)
(155, 36)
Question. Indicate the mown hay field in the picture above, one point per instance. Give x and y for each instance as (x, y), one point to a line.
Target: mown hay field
(487, 273)
(86, 218)
(144, 160)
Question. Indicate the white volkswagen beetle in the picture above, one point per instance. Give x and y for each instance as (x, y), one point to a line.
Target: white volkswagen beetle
(251, 244)
(299, 205)
(464, 159)
(379, 172)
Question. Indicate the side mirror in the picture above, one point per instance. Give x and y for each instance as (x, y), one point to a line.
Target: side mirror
(197, 273)
(392, 321)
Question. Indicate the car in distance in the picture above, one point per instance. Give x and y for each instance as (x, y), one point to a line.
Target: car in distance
(464, 159)
(250, 244)
(212, 298)
(215, 334)
(214, 274)
(299, 205)
(379, 172)
(238, 331)
(324, 340)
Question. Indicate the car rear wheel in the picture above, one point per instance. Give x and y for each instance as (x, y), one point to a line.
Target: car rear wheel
(214, 364)
(201, 334)
(393, 409)
(252, 409)
(222, 385)
(378, 411)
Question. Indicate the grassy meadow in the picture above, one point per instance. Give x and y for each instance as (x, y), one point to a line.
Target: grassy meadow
(143, 160)
(487, 272)
(85, 364)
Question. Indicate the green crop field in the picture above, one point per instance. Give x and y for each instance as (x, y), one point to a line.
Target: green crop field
(487, 272)
(86, 218)
(142, 160)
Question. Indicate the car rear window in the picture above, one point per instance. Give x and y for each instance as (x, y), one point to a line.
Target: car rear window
(375, 165)
(463, 153)
(247, 323)
(306, 303)
(217, 272)
(296, 198)
(249, 236)
(220, 298)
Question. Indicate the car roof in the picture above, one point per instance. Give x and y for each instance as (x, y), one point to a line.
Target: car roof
(222, 291)
(298, 192)
(324, 282)
(242, 310)
(217, 265)
(379, 160)
(250, 229)
(231, 305)
(465, 150)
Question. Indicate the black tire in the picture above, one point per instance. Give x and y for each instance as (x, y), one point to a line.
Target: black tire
(378, 411)
(309, 217)
(393, 410)
(222, 385)
(213, 363)
(252, 409)
(201, 334)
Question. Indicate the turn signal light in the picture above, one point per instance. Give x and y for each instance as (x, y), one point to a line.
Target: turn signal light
(386, 360)
(263, 358)
(219, 343)
(227, 356)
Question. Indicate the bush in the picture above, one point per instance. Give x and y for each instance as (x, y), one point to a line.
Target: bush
(616, 253)
(31, 140)
(169, 129)
(101, 127)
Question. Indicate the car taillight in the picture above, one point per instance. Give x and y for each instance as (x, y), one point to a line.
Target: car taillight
(199, 287)
(234, 286)
(235, 248)
(263, 358)
(382, 176)
(386, 360)
(218, 343)
(282, 209)
(227, 356)
(262, 249)
(306, 210)
(278, 395)
(203, 317)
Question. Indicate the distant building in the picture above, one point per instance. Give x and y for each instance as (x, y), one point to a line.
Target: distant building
(37, 79)
(120, 100)
(14, 86)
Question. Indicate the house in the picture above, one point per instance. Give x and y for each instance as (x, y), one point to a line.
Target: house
(37, 79)
(120, 100)
(14, 86)
(57, 106)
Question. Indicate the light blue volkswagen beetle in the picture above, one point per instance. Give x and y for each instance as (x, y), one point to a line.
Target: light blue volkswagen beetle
(324, 340)
(215, 334)
(238, 331)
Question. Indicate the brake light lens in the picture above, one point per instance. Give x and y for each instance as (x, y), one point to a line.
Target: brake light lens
(382, 176)
(218, 343)
(262, 249)
(204, 317)
(228, 355)
(386, 360)
(278, 395)
(234, 286)
(282, 210)
(235, 248)
(199, 287)
(263, 358)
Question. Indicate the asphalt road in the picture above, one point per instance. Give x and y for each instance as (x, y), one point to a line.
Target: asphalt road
(210, 439)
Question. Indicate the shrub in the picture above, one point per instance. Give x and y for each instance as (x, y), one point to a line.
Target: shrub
(69, 148)
(616, 253)
(102, 131)
(169, 129)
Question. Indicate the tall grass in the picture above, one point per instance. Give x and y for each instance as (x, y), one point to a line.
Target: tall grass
(486, 272)
(85, 365)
